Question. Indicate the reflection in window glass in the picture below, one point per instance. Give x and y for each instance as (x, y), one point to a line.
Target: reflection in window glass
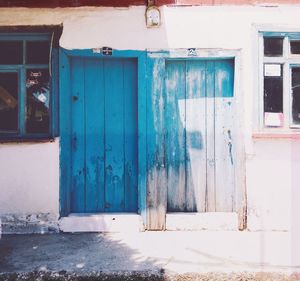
(273, 47)
(8, 102)
(295, 47)
(296, 95)
(11, 52)
(37, 52)
(37, 101)
(273, 89)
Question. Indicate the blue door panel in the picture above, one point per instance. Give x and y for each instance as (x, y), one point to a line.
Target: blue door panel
(104, 135)
(94, 133)
(78, 137)
(130, 139)
(114, 137)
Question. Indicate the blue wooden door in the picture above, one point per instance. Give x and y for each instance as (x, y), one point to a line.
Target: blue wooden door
(103, 135)
(199, 137)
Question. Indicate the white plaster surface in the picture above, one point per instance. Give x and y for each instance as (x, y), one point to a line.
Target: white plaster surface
(29, 179)
(101, 223)
(202, 221)
(273, 185)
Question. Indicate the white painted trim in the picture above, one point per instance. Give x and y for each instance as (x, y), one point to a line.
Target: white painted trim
(275, 28)
(120, 222)
(202, 221)
(240, 165)
(200, 53)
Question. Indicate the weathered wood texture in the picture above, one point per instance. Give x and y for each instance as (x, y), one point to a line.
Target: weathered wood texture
(156, 171)
(199, 142)
(225, 136)
(196, 144)
(104, 135)
(175, 115)
(65, 136)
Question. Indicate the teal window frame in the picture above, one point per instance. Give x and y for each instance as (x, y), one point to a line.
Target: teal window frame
(20, 134)
(288, 62)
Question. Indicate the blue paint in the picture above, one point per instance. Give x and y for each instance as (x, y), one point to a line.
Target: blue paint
(114, 134)
(156, 172)
(175, 117)
(94, 130)
(65, 134)
(128, 170)
(142, 132)
(291, 35)
(130, 121)
(78, 137)
(224, 78)
(112, 176)
(191, 86)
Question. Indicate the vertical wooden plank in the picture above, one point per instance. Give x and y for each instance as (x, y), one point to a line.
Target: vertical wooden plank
(130, 137)
(210, 137)
(78, 137)
(94, 134)
(114, 135)
(65, 134)
(142, 140)
(175, 135)
(156, 172)
(196, 145)
(225, 136)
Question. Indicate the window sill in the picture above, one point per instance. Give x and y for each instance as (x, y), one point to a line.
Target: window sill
(29, 140)
(290, 135)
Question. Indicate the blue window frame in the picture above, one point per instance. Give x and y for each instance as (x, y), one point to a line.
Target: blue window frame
(28, 86)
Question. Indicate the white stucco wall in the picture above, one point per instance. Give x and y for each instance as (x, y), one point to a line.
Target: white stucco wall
(29, 178)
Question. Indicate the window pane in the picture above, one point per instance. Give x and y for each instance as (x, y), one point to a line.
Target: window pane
(9, 102)
(273, 95)
(37, 101)
(273, 47)
(11, 52)
(295, 47)
(37, 52)
(296, 95)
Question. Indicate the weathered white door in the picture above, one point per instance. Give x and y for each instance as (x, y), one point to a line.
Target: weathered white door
(200, 135)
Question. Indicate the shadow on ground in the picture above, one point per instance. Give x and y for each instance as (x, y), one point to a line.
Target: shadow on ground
(60, 256)
(92, 256)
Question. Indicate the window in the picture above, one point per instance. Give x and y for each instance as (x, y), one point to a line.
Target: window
(281, 79)
(27, 87)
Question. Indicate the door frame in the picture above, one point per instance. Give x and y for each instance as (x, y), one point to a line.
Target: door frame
(65, 57)
(156, 60)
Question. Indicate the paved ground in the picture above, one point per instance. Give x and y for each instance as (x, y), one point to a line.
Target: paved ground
(203, 255)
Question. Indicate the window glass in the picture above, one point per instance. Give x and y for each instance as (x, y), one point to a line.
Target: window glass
(296, 95)
(273, 95)
(11, 52)
(295, 47)
(8, 102)
(37, 52)
(273, 47)
(37, 100)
